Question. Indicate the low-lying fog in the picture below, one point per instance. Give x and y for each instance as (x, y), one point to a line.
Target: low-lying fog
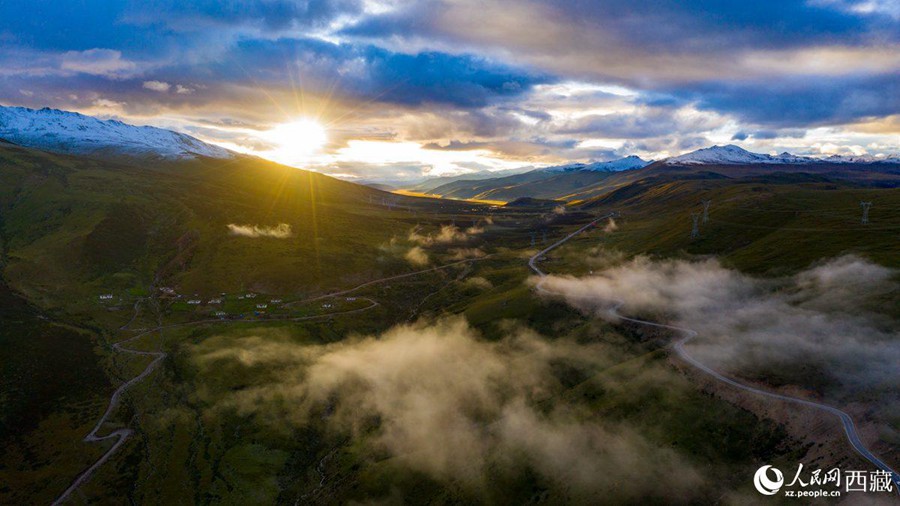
(442, 400)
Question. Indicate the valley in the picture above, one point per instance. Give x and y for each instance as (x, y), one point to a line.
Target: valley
(446, 253)
(175, 416)
(255, 333)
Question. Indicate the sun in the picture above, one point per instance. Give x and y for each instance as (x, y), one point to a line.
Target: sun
(295, 142)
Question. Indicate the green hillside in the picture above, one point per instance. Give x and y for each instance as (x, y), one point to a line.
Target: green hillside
(580, 186)
(773, 224)
(74, 228)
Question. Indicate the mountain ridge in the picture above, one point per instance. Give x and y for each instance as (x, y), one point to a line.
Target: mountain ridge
(626, 163)
(75, 133)
(731, 154)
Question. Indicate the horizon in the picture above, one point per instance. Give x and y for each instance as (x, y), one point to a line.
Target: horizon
(449, 252)
(400, 91)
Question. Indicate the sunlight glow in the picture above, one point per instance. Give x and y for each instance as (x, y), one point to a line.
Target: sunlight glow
(434, 162)
(295, 142)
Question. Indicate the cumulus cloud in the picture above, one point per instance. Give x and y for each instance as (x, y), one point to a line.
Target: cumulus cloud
(819, 329)
(463, 253)
(478, 282)
(280, 231)
(416, 256)
(101, 62)
(442, 401)
(610, 226)
(448, 234)
(159, 86)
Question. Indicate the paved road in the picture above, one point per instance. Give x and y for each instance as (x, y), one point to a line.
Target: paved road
(846, 421)
(121, 435)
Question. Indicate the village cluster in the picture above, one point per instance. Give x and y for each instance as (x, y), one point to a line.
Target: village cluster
(250, 304)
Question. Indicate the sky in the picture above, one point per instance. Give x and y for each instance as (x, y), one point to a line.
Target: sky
(400, 90)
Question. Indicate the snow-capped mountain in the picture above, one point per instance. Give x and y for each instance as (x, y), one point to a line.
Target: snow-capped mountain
(860, 159)
(732, 155)
(627, 163)
(70, 132)
(850, 159)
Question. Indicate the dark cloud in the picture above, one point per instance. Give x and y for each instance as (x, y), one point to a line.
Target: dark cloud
(770, 134)
(660, 74)
(641, 124)
(669, 26)
(659, 45)
(802, 102)
(270, 14)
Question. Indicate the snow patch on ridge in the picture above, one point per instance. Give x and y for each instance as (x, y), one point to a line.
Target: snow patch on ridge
(74, 133)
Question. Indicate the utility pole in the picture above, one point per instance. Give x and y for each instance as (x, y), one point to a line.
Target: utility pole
(545, 236)
(695, 230)
(532, 239)
(706, 204)
(865, 208)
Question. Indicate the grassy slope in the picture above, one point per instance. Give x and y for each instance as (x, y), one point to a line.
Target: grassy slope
(77, 228)
(72, 228)
(579, 187)
(766, 225)
(54, 205)
(531, 184)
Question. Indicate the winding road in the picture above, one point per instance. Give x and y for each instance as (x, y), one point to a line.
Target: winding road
(121, 435)
(679, 347)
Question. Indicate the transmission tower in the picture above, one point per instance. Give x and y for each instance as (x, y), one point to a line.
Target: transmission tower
(695, 230)
(865, 208)
(706, 204)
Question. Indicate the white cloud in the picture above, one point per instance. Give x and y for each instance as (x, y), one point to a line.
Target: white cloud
(416, 256)
(101, 62)
(821, 323)
(441, 400)
(280, 231)
(159, 86)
